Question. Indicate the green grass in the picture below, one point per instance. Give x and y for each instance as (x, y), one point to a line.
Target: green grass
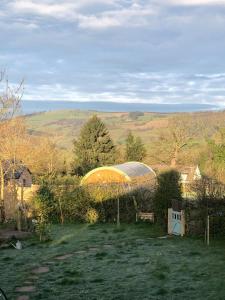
(106, 263)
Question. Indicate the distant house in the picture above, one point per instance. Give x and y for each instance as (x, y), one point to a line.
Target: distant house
(21, 174)
(188, 175)
(18, 187)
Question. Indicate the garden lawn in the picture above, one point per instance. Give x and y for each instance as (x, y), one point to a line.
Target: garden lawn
(101, 262)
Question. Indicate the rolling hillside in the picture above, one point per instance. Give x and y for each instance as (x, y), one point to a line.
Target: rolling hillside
(63, 126)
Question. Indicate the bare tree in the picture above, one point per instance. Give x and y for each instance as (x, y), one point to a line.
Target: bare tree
(174, 139)
(10, 105)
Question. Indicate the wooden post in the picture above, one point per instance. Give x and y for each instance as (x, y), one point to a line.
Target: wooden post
(118, 212)
(207, 230)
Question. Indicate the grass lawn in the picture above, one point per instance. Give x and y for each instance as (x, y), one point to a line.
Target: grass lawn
(101, 262)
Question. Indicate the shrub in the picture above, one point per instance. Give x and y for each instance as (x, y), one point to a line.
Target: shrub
(168, 189)
(92, 216)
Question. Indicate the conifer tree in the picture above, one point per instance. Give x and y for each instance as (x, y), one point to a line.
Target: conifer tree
(168, 189)
(94, 147)
(135, 149)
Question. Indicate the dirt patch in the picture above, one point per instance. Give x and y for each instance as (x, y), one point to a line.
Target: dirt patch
(41, 270)
(27, 288)
(63, 257)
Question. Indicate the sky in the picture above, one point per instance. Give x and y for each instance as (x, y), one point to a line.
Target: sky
(149, 51)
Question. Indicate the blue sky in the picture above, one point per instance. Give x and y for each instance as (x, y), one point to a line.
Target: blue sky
(160, 51)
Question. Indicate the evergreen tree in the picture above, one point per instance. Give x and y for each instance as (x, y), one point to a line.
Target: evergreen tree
(168, 189)
(135, 149)
(94, 147)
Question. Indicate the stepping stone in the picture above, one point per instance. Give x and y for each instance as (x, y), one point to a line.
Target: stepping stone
(33, 277)
(28, 288)
(108, 246)
(93, 249)
(28, 282)
(62, 257)
(50, 262)
(24, 297)
(41, 270)
(80, 252)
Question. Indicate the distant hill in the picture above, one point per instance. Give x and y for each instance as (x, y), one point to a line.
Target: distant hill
(30, 107)
(64, 125)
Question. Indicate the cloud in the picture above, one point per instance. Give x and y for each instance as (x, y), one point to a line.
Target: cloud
(110, 13)
(197, 2)
(42, 8)
(167, 51)
(135, 15)
(169, 88)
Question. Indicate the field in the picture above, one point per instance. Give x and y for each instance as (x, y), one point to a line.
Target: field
(103, 262)
(64, 126)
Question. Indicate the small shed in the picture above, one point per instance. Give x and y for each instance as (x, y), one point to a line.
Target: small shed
(130, 173)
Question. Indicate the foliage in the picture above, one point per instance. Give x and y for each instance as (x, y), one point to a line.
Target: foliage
(94, 147)
(63, 199)
(92, 216)
(217, 155)
(210, 202)
(168, 189)
(42, 229)
(135, 149)
(131, 201)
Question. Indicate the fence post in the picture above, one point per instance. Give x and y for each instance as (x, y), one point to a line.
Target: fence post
(208, 230)
(118, 212)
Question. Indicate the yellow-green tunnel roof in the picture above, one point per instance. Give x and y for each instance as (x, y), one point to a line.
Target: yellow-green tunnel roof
(128, 170)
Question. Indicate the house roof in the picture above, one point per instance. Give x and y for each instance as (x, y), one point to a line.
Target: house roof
(190, 171)
(19, 169)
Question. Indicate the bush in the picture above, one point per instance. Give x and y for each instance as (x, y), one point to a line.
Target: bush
(168, 189)
(92, 216)
(62, 200)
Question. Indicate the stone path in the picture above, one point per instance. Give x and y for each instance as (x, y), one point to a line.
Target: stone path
(29, 285)
(63, 257)
(28, 288)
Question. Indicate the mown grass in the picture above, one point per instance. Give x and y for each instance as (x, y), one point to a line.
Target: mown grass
(107, 263)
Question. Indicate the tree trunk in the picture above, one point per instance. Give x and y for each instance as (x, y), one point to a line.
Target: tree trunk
(2, 205)
(173, 162)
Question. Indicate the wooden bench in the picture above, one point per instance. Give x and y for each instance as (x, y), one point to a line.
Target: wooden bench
(146, 216)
